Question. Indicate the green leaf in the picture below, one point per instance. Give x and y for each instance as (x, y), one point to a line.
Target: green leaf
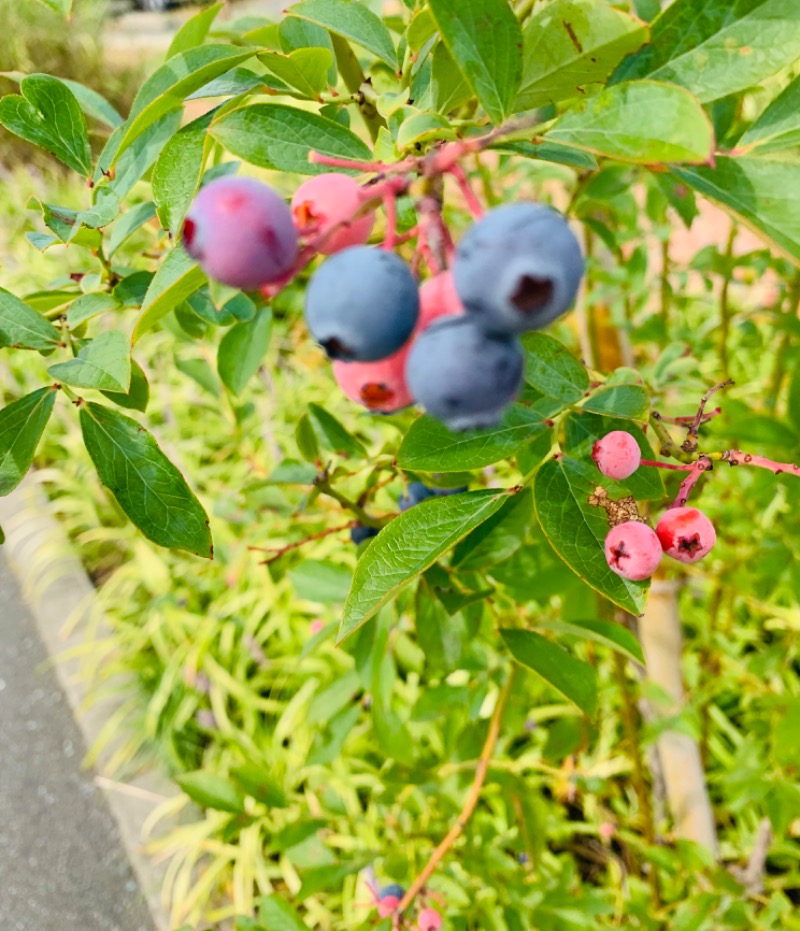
(574, 679)
(323, 582)
(22, 328)
(642, 121)
(104, 363)
(577, 531)
(765, 194)
(22, 424)
(572, 43)
(48, 115)
(294, 33)
(607, 633)
(128, 224)
(551, 152)
(497, 538)
(306, 438)
(718, 47)
(484, 37)
(176, 279)
(450, 89)
(332, 435)
(552, 369)
(90, 305)
(93, 104)
(275, 136)
(166, 89)
(353, 20)
(211, 791)
(137, 397)
(64, 7)
(778, 127)
(241, 350)
(407, 546)
(194, 31)
(259, 784)
(423, 127)
(430, 447)
(137, 160)
(630, 402)
(148, 487)
(305, 68)
(278, 915)
(178, 170)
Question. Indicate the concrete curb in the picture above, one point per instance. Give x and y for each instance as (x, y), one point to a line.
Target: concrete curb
(58, 591)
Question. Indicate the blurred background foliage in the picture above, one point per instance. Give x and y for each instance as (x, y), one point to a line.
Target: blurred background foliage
(310, 762)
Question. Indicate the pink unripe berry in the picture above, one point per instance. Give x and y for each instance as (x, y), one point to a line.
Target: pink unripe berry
(437, 298)
(388, 905)
(617, 454)
(317, 625)
(328, 201)
(686, 534)
(633, 550)
(429, 920)
(241, 233)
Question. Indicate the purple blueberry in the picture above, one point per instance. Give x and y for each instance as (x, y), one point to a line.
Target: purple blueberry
(362, 304)
(416, 492)
(241, 233)
(518, 268)
(463, 375)
(359, 534)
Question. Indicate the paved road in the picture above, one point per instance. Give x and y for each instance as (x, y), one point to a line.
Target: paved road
(62, 867)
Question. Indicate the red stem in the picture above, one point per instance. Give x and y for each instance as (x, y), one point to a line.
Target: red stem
(390, 238)
(473, 204)
(703, 464)
(666, 465)
(736, 457)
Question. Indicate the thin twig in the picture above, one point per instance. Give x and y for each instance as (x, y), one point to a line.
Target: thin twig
(278, 551)
(690, 444)
(469, 805)
(703, 464)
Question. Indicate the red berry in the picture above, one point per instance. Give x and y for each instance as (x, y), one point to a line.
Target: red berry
(328, 201)
(633, 550)
(686, 534)
(429, 920)
(617, 454)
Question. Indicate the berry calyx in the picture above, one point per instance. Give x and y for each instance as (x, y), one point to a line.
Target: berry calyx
(686, 534)
(633, 550)
(617, 454)
(324, 209)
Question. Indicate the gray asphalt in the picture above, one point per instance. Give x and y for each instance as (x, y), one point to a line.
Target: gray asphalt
(62, 866)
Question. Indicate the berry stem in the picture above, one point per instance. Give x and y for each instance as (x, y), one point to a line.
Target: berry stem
(323, 485)
(668, 446)
(703, 464)
(736, 457)
(278, 551)
(688, 421)
(666, 465)
(469, 805)
(473, 204)
(690, 444)
(390, 207)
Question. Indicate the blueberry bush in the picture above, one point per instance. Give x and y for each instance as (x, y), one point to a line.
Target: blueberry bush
(471, 207)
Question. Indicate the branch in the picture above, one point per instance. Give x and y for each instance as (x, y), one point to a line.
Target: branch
(278, 551)
(469, 806)
(690, 444)
(703, 464)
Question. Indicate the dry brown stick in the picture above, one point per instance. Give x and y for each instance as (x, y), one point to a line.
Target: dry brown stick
(469, 806)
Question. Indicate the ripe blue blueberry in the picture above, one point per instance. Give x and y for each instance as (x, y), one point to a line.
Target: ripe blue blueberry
(362, 304)
(359, 534)
(518, 268)
(463, 375)
(416, 492)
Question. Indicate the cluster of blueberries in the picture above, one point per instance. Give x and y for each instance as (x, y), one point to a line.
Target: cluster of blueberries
(632, 548)
(450, 345)
(415, 494)
(429, 919)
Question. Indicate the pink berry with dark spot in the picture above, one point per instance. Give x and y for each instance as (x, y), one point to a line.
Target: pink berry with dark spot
(686, 534)
(324, 207)
(241, 233)
(429, 920)
(388, 905)
(437, 298)
(633, 550)
(617, 454)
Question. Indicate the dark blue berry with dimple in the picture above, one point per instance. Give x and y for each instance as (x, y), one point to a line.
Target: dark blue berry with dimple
(416, 492)
(392, 889)
(360, 533)
(518, 268)
(362, 304)
(463, 375)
